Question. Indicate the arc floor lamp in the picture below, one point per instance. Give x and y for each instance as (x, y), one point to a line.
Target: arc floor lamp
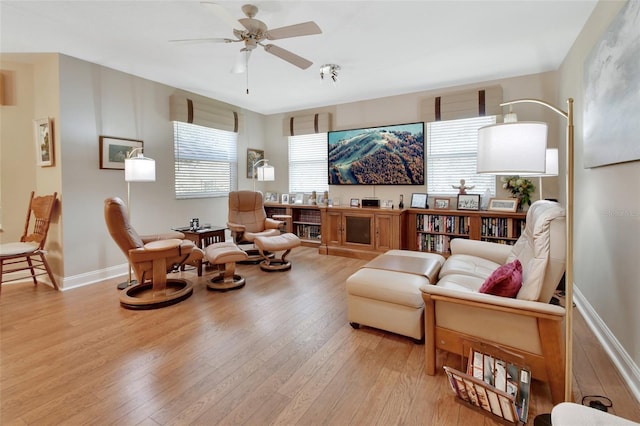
(264, 172)
(137, 168)
(520, 148)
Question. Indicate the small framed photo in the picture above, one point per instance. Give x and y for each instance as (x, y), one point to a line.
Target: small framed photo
(503, 205)
(355, 202)
(253, 155)
(271, 197)
(441, 203)
(285, 199)
(299, 198)
(43, 132)
(468, 201)
(113, 151)
(418, 201)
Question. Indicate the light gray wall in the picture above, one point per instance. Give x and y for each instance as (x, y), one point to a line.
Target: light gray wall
(607, 221)
(406, 109)
(95, 101)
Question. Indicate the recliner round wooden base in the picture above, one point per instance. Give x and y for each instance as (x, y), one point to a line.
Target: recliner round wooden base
(284, 242)
(275, 265)
(225, 255)
(220, 284)
(142, 296)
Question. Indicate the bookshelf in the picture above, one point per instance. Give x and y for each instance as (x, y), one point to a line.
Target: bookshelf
(305, 220)
(432, 230)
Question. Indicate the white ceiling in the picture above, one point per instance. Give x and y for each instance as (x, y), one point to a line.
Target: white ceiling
(384, 47)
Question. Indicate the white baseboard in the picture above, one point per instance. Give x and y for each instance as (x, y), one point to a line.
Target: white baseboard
(75, 281)
(93, 277)
(624, 363)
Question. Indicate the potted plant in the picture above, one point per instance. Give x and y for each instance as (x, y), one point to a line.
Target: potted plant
(520, 188)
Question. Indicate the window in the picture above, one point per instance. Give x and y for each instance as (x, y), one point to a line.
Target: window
(308, 170)
(451, 155)
(206, 161)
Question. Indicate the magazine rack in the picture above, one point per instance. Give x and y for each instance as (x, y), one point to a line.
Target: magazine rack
(496, 383)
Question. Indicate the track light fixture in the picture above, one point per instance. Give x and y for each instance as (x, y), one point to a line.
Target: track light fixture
(329, 71)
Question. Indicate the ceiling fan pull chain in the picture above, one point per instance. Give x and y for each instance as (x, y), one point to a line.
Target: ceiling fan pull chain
(247, 67)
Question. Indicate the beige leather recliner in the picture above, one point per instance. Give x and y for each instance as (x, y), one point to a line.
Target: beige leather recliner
(528, 324)
(248, 220)
(151, 257)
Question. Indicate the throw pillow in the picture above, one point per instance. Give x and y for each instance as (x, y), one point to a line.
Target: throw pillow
(504, 281)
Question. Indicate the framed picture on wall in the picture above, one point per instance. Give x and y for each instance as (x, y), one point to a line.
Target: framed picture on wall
(113, 151)
(253, 155)
(43, 129)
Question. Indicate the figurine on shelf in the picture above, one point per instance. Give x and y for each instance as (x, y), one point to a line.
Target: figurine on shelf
(326, 198)
(401, 203)
(312, 199)
(462, 188)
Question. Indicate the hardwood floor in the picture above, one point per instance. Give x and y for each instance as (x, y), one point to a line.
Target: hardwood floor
(278, 351)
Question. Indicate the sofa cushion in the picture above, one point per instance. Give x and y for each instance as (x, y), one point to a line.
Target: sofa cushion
(504, 281)
(460, 282)
(398, 288)
(464, 264)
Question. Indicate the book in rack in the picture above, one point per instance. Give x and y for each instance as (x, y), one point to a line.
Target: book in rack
(495, 382)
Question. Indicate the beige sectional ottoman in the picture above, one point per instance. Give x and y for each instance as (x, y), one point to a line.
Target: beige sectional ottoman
(385, 293)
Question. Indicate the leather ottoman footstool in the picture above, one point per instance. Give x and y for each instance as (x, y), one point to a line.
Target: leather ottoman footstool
(284, 242)
(385, 293)
(225, 255)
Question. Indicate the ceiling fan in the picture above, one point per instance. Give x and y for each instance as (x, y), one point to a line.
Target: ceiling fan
(252, 32)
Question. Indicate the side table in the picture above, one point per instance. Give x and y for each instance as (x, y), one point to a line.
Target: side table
(203, 237)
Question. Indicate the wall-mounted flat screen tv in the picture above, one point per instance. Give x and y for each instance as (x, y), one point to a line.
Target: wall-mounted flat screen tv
(387, 155)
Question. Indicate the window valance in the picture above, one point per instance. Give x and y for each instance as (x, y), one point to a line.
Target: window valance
(195, 109)
(306, 124)
(462, 104)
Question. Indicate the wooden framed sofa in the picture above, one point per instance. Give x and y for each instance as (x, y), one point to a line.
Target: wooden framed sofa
(526, 324)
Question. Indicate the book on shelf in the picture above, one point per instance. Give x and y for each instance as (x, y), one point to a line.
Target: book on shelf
(309, 232)
(434, 242)
(443, 223)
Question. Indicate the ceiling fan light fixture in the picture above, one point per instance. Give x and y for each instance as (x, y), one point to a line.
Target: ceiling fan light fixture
(329, 71)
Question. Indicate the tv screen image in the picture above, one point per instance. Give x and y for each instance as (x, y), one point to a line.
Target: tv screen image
(386, 155)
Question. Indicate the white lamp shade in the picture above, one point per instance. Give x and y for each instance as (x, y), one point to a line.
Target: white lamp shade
(512, 148)
(139, 169)
(266, 173)
(551, 168)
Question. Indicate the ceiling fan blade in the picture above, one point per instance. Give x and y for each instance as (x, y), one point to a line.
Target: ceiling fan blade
(241, 62)
(204, 40)
(288, 56)
(222, 13)
(297, 30)
(253, 25)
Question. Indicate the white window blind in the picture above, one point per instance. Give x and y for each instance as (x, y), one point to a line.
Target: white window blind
(452, 148)
(206, 161)
(308, 169)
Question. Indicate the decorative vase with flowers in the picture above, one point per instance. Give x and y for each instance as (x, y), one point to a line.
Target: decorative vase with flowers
(520, 188)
